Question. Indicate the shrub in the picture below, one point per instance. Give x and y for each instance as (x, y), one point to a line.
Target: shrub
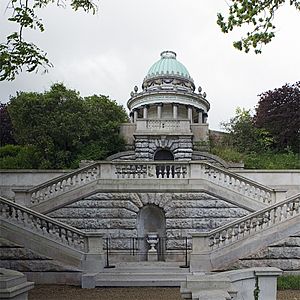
(20, 157)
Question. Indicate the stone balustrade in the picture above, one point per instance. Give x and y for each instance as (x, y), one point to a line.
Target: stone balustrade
(253, 224)
(158, 125)
(193, 170)
(64, 183)
(170, 170)
(49, 228)
(235, 182)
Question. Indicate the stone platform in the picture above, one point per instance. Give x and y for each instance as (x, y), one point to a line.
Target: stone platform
(140, 274)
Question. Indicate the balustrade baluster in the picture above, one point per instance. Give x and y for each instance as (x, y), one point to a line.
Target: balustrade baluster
(245, 228)
(296, 206)
(263, 196)
(136, 171)
(226, 238)
(225, 178)
(184, 171)
(14, 214)
(144, 171)
(250, 191)
(129, 171)
(160, 172)
(285, 211)
(289, 209)
(168, 171)
(33, 197)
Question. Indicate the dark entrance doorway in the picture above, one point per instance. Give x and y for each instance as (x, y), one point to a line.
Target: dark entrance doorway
(163, 155)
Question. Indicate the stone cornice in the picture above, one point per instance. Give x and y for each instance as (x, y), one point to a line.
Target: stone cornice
(171, 96)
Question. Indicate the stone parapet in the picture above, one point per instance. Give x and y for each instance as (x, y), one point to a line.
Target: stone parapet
(247, 284)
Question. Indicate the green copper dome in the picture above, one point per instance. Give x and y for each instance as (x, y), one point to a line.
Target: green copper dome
(168, 65)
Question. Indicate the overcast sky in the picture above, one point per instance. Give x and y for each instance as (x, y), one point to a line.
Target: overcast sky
(111, 52)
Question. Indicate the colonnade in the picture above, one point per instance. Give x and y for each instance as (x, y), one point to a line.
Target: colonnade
(202, 116)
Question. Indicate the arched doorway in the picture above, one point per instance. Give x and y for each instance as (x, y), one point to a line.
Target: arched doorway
(163, 154)
(151, 218)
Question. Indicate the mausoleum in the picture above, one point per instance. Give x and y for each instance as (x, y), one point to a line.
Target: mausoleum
(166, 202)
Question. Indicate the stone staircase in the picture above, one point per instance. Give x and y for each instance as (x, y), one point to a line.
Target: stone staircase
(220, 248)
(50, 238)
(138, 274)
(272, 220)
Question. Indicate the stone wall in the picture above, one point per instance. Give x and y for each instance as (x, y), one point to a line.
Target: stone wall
(288, 180)
(116, 214)
(39, 268)
(180, 146)
(284, 255)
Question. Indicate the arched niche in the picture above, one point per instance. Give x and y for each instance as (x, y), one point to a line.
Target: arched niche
(163, 154)
(151, 218)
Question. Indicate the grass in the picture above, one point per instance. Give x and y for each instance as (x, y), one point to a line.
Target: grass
(288, 282)
(264, 160)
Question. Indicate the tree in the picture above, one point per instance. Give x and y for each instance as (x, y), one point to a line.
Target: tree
(278, 111)
(6, 129)
(62, 125)
(16, 53)
(256, 14)
(244, 136)
(104, 117)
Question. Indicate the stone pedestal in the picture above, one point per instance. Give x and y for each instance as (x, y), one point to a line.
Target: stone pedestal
(14, 285)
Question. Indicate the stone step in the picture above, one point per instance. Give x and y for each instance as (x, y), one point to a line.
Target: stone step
(138, 274)
(144, 267)
(140, 279)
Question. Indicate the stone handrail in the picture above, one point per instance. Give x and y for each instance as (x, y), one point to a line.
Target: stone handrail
(238, 183)
(248, 225)
(49, 228)
(146, 170)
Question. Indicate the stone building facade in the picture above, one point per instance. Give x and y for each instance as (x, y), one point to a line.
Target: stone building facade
(168, 118)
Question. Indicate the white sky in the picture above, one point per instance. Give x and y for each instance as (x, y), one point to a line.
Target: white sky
(110, 52)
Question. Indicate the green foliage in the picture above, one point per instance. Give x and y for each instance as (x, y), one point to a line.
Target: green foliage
(288, 282)
(258, 15)
(19, 157)
(5, 126)
(262, 160)
(271, 160)
(227, 153)
(16, 53)
(65, 128)
(278, 111)
(245, 137)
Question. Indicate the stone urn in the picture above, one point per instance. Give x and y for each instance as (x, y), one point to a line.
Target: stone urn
(152, 240)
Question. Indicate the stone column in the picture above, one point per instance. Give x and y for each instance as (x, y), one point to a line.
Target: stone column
(175, 111)
(159, 110)
(190, 113)
(135, 115)
(205, 118)
(145, 112)
(200, 116)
